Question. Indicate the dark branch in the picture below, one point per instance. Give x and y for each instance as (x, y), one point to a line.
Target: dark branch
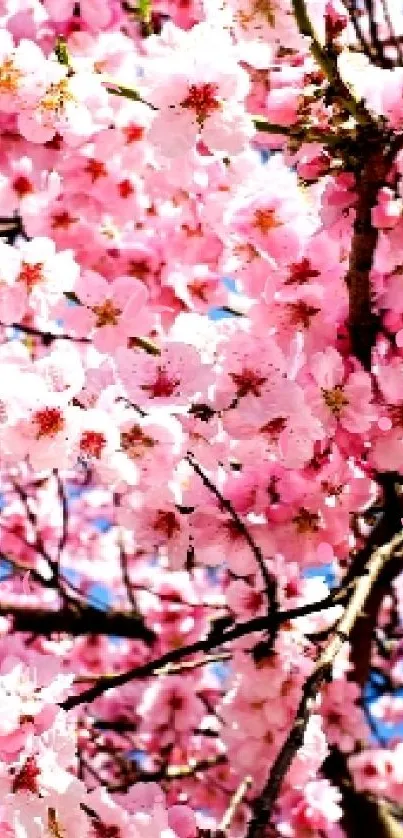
(47, 338)
(268, 579)
(214, 639)
(323, 672)
(78, 620)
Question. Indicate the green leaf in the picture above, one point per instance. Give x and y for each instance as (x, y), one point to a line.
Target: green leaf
(121, 90)
(144, 10)
(61, 51)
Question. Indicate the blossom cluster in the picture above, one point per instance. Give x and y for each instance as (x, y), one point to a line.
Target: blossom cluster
(183, 414)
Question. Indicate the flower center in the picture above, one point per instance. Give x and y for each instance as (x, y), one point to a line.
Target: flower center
(134, 442)
(49, 421)
(301, 314)
(265, 9)
(301, 272)
(262, 8)
(107, 314)
(22, 186)
(26, 779)
(138, 268)
(102, 830)
(162, 386)
(306, 521)
(396, 413)
(9, 76)
(92, 443)
(96, 169)
(31, 275)
(335, 399)
(133, 133)
(200, 290)
(248, 382)
(62, 220)
(202, 99)
(166, 523)
(265, 220)
(56, 97)
(125, 188)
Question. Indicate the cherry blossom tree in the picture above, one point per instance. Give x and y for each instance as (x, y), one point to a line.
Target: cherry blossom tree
(201, 419)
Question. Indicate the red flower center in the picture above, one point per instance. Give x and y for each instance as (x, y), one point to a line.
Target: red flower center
(107, 314)
(248, 382)
(26, 779)
(202, 99)
(31, 275)
(92, 443)
(49, 421)
(22, 186)
(166, 523)
(95, 169)
(162, 386)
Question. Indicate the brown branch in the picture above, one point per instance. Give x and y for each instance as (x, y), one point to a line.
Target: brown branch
(124, 567)
(64, 512)
(78, 620)
(377, 46)
(393, 37)
(374, 153)
(389, 524)
(169, 669)
(363, 815)
(268, 579)
(170, 772)
(354, 17)
(327, 61)
(47, 338)
(214, 639)
(235, 802)
(322, 672)
(374, 166)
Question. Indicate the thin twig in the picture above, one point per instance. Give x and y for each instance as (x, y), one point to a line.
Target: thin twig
(47, 338)
(76, 620)
(328, 65)
(65, 516)
(170, 772)
(235, 802)
(213, 640)
(393, 37)
(268, 578)
(373, 29)
(354, 17)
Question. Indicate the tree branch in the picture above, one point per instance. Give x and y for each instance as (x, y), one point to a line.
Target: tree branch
(169, 772)
(328, 63)
(78, 620)
(322, 672)
(235, 802)
(363, 323)
(268, 579)
(363, 815)
(47, 338)
(214, 639)
(389, 524)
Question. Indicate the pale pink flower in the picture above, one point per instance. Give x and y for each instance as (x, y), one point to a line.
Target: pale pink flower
(174, 377)
(112, 311)
(343, 398)
(197, 98)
